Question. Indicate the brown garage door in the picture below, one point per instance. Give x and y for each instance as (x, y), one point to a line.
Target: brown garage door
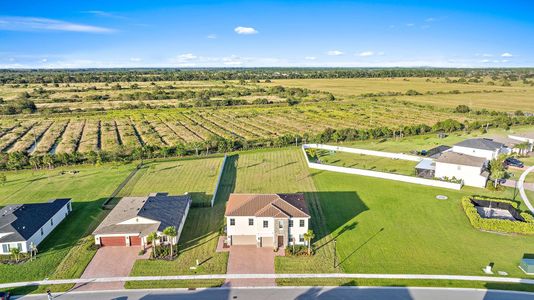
(243, 240)
(113, 241)
(135, 241)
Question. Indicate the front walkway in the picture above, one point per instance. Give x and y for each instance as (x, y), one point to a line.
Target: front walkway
(250, 260)
(110, 261)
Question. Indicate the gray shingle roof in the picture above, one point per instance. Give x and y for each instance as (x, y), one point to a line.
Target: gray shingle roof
(164, 210)
(24, 220)
(483, 144)
(461, 159)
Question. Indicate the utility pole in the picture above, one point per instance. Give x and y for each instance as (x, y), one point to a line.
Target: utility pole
(335, 256)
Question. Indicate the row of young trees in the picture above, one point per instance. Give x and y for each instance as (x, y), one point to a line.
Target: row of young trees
(216, 144)
(147, 75)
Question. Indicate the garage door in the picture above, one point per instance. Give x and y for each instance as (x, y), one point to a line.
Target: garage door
(243, 240)
(267, 242)
(113, 241)
(135, 240)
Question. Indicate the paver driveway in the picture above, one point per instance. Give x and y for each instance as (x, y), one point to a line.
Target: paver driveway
(250, 260)
(110, 261)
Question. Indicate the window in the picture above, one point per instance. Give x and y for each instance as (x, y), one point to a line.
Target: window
(232, 222)
(250, 222)
(301, 223)
(19, 246)
(42, 232)
(51, 222)
(301, 238)
(265, 224)
(290, 223)
(280, 224)
(5, 248)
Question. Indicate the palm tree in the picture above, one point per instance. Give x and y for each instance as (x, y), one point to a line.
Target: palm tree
(170, 232)
(308, 237)
(497, 169)
(151, 238)
(16, 253)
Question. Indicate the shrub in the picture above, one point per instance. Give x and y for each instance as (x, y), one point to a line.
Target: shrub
(297, 250)
(496, 225)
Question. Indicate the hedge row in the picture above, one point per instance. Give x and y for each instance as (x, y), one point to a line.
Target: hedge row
(497, 225)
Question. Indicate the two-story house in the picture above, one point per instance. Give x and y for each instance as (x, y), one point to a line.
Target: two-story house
(480, 147)
(266, 220)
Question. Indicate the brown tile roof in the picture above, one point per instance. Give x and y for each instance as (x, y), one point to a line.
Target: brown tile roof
(267, 205)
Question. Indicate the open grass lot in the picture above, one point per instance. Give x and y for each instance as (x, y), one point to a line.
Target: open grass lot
(368, 162)
(197, 177)
(517, 96)
(63, 254)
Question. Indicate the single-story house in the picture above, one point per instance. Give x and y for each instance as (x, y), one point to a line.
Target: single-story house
(470, 169)
(526, 142)
(25, 226)
(480, 147)
(437, 151)
(266, 220)
(134, 218)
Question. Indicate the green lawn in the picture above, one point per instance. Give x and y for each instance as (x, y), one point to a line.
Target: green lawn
(368, 162)
(202, 227)
(88, 189)
(197, 177)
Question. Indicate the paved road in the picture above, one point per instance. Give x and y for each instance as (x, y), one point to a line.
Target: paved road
(520, 186)
(300, 293)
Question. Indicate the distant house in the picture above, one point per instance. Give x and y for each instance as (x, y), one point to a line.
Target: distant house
(436, 151)
(523, 138)
(470, 169)
(266, 220)
(25, 225)
(134, 218)
(480, 147)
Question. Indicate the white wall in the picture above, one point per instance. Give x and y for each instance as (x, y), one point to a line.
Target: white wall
(470, 175)
(487, 154)
(296, 231)
(241, 227)
(391, 155)
(383, 175)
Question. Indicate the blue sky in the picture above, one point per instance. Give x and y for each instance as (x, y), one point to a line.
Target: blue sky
(73, 34)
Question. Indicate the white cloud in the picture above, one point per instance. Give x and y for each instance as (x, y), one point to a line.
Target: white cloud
(245, 30)
(410, 25)
(430, 19)
(104, 14)
(310, 58)
(334, 53)
(211, 36)
(44, 60)
(186, 56)
(366, 53)
(506, 54)
(43, 24)
(135, 59)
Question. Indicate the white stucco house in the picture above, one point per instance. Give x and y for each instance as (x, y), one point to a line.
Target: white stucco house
(470, 169)
(266, 220)
(480, 147)
(134, 218)
(24, 226)
(523, 138)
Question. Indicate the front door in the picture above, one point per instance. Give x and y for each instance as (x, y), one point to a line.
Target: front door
(280, 241)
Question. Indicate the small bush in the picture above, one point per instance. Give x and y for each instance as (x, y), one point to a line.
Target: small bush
(297, 250)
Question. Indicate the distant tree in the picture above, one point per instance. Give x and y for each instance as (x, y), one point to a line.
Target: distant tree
(519, 113)
(3, 179)
(462, 108)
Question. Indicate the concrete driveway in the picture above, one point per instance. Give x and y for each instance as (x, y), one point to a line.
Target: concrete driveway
(250, 260)
(110, 261)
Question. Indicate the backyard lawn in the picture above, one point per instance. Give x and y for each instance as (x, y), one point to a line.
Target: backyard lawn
(88, 189)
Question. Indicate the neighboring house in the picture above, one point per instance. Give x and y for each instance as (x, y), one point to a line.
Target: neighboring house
(25, 225)
(437, 151)
(266, 220)
(480, 147)
(470, 169)
(134, 218)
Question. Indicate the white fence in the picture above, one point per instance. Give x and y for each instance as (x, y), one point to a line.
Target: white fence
(369, 173)
(365, 152)
(218, 180)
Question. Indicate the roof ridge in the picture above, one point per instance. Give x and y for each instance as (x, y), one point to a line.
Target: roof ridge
(291, 203)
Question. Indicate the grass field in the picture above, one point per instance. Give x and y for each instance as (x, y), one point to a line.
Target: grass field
(62, 254)
(197, 177)
(516, 96)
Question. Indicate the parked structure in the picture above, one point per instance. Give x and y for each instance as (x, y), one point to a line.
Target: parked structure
(134, 218)
(470, 169)
(25, 226)
(266, 220)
